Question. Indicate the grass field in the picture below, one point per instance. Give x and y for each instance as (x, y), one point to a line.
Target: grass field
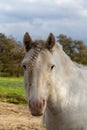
(11, 90)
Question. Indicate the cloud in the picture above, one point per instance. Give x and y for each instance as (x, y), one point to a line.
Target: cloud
(42, 17)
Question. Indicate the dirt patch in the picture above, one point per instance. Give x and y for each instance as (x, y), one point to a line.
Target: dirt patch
(18, 117)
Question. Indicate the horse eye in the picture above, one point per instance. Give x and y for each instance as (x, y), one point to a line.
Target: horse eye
(24, 66)
(52, 67)
(30, 84)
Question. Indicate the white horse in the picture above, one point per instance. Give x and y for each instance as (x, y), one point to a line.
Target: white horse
(55, 86)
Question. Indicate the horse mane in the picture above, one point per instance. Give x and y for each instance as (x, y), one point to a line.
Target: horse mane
(80, 66)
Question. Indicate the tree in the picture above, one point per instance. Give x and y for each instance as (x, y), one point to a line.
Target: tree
(11, 54)
(76, 49)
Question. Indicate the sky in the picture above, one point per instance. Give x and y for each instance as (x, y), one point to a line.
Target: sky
(40, 17)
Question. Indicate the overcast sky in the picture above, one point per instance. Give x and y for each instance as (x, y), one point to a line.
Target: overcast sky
(40, 17)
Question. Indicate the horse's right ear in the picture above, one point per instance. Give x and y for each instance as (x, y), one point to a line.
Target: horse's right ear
(27, 41)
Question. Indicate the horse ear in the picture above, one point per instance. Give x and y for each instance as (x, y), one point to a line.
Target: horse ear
(50, 41)
(27, 41)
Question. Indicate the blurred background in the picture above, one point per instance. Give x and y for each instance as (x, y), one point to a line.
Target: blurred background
(66, 19)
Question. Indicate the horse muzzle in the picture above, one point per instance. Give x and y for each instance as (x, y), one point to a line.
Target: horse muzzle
(37, 107)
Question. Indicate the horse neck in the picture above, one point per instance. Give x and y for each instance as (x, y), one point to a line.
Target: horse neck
(66, 71)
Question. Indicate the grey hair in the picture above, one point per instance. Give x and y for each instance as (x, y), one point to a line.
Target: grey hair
(37, 48)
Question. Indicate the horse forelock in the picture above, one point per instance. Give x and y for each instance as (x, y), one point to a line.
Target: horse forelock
(37, 46)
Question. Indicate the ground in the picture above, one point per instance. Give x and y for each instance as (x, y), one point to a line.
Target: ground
(18, 117)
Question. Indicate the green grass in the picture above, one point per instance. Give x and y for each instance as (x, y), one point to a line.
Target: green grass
(11, 90)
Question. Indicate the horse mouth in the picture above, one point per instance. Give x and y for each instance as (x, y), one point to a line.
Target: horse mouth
(36, 114)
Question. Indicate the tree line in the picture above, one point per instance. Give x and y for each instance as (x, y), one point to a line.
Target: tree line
(12, 53)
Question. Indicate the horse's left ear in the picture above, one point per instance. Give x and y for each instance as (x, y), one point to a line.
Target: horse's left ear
(27, 41)
(50, 41)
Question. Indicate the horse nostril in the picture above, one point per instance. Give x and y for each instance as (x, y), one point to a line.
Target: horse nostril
(37, 104)
(43, 102)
